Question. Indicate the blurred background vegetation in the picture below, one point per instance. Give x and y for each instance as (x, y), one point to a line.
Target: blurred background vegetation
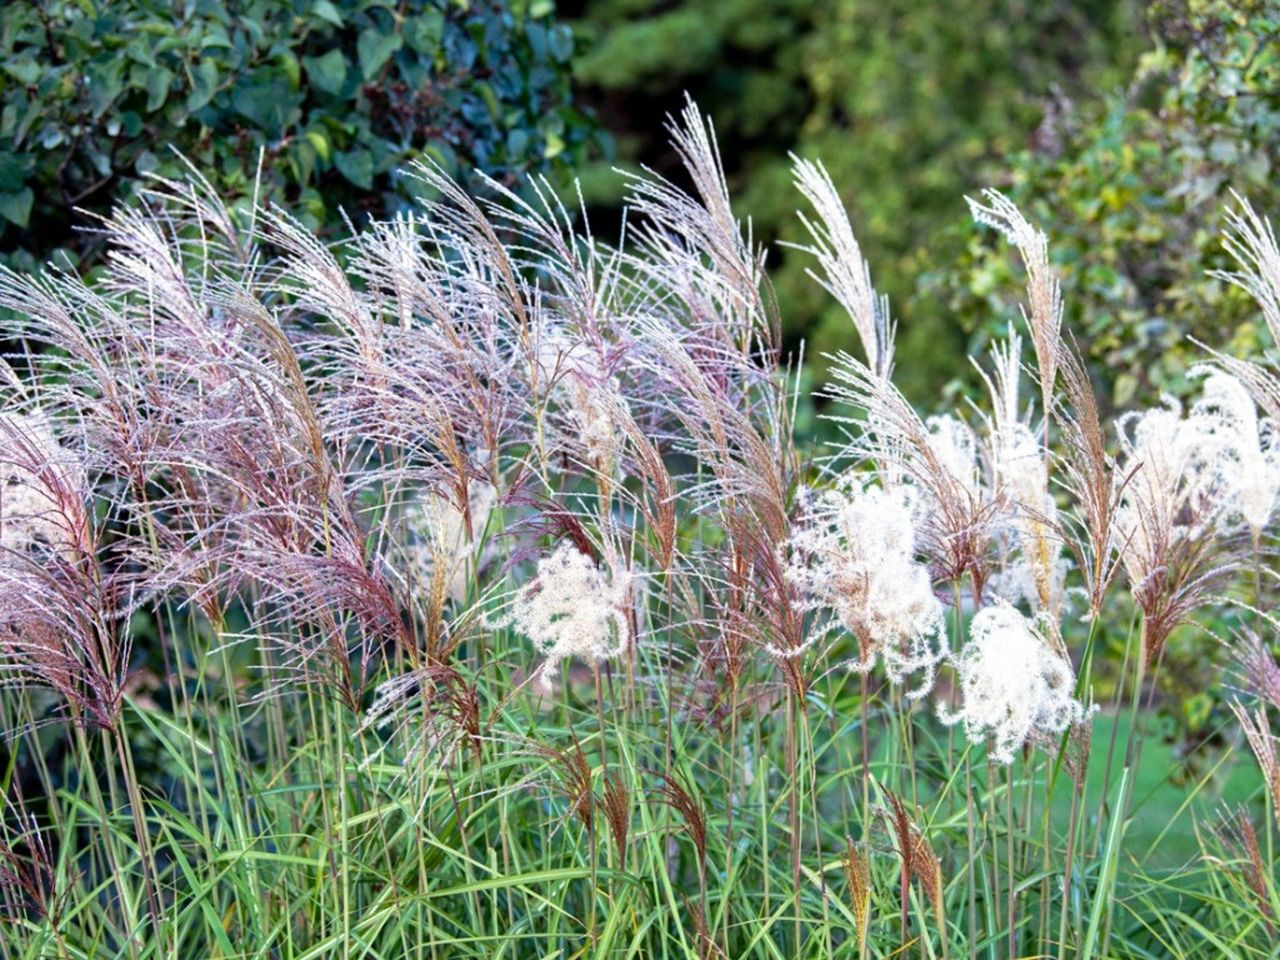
(1119, 125)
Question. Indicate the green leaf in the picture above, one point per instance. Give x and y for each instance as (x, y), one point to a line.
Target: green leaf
(23, 69)
(204, 84)
(490, 98)
(146, 162)
(159, 80)
(16, 207)
(105, 82)
(374, 49)
(289, 64)
(319, 142)
(555, 146)
(326, 11)
(517, 144)
(425, 32)
(327, 73)
(265, 99)
(357, 166)
(560, 43)
(11, 173)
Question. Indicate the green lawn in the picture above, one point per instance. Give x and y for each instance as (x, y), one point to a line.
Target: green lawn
(1162, 811)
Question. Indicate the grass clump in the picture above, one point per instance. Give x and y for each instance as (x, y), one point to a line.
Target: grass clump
(495, 610)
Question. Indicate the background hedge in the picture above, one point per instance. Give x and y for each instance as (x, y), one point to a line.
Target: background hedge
(335, 94)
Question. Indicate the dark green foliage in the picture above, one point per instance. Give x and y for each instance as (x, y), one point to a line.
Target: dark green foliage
(336, 95)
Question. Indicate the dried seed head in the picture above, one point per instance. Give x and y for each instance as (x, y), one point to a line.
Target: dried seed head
(1256, 668)
(40, 489)
(1044, 290)
(1246, 452)
(1088, 473)
(573, 780)
(938, 457)
(919, 862)
(1237, 831)
(846, 274)
(441, 545)
(1171, 490)
(1263, 743)
(1252, 242)
(680, 794)
(596, 411)
(616, 803)
(1020, 472)
(857, 872)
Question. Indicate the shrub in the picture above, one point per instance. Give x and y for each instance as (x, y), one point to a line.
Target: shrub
(1134, 188)
(335, 95)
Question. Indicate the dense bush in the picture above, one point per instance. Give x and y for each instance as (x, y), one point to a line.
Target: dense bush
(1135, 185)
(334, 94)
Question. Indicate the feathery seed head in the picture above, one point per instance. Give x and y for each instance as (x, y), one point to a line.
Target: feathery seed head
(37, 478)
(592, 398)
(854, 555)
(1172, 487)
(1014, 685)
(1044, 289)
(1020, 474)
(441, 544)
(1247, 461)
(573, 609)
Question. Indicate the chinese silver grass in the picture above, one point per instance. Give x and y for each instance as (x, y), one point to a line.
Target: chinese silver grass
(695, 248)
(1090, 476)
(36, 475)
(846, 275)
(705, 341)
(591, 398)
(430, 710)
(1015, 686)
(1250, 239)
(1020, 473)
(444, 538)
(1171, 491)
(1044, 290)
(1256, 669)
(736, 433)
(1265, 747)
(937, 456)
(853, 556)
(64, 599)
(1168, 516)
(955, 446)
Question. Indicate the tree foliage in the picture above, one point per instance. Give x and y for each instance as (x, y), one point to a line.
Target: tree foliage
(909, 105)
(334, 94)
(1133, 188)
